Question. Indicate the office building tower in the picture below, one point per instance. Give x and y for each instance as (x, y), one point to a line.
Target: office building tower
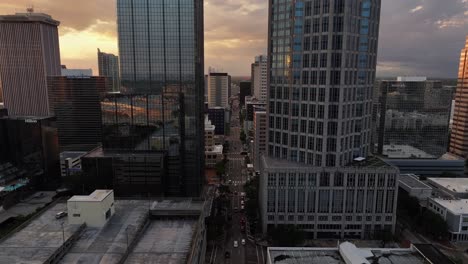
(252, 105)
(317, 174)
(245, 90)
(213, 151)
(108, 66)
(220, 118)
(29, 52)
(259, 77)
(218, 89)
(459, 134)
(161, 57)
(259, 137)
(77, 102)
(412, 118)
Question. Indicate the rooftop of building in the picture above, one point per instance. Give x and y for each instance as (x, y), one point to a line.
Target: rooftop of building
(457, 185)
(164, 241)
(412, 181)
(96, 196)
(411, 78)
(456, 206)
(369, 162)
(348, 253)
(41, 238)
(29, 17)
(72, 154)
(405, 151)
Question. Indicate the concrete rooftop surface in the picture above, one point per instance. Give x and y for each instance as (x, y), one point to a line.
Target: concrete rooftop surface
(38, 240)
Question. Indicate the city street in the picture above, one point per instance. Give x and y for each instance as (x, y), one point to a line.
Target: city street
(236, 177)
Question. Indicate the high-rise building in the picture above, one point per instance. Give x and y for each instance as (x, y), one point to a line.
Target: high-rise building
(108, 65)
(161, 56)
(259, 77)
(412, 118)
(459, 134)
(219, 116)
(77, 102)
(218, 89)
(245, 90)
(29, 52)
(259, 137)
(317, 174)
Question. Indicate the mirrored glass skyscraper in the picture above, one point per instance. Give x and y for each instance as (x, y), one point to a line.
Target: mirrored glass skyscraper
(161, 56)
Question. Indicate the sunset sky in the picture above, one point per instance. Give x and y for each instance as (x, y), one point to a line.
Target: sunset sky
(417, 37)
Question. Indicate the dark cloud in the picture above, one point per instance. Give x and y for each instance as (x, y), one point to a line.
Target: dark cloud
(425, 41)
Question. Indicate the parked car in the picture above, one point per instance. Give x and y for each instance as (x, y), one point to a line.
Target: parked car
(236, 244)
(243, 241)
(61, 215)
(227, 254)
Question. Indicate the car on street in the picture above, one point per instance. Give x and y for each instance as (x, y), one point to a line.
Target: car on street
(61, 215)
(235, 208)
(243, 241)
(242, 207)
(227, 254)
(242, 202)
(236, 244)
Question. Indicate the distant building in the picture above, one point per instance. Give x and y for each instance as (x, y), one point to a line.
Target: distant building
(70, 162)
(429, 167)
(219, 116)
(245, 90)
(459, 133)
(218, 89)
(213, 152)
(94, 210)
(259, 77)
(259, 137)
(348, 253)
(29, 52)
(77, 103)
(252, 105)
(108, 65)
(76, 72)
(412, 118)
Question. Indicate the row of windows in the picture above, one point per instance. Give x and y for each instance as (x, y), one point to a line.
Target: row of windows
(324, 179)
(325, 218)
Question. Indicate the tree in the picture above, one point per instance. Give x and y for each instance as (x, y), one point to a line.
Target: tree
(243, 137)
(435, 225)
(287, 236)
(220, 168)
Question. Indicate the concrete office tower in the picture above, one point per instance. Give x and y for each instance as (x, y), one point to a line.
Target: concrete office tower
(259, 77)
(412, 118)
(322, 61)
(218, 89)
(459, 135)
(77, 102)
(161, 53)
(108, 65)
(259, 137)
(29, 52)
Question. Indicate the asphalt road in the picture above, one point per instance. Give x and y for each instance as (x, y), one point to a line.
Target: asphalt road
(236, 175)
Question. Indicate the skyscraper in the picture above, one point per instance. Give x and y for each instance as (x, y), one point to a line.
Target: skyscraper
(259, 77)
(77, 103)
(322, 61)
(161, 55)
(412, 118)
(29, 52)
(459, 136)
(218, 89)
(108, 65)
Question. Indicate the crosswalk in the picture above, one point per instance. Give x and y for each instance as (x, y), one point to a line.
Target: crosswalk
(238, 182)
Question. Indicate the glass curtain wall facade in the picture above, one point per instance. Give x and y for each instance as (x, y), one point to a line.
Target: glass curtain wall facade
(161, 54)
(322, 69)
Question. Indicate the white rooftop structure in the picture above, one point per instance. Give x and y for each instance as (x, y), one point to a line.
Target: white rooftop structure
(454, 206)
(411, 78)
(454, 187)
(96, 196)
(208, 124)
